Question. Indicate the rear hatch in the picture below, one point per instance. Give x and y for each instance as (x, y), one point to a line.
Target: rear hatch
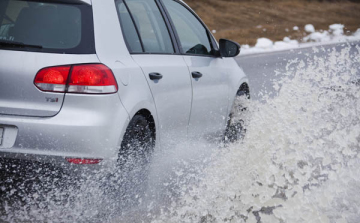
(35, 35)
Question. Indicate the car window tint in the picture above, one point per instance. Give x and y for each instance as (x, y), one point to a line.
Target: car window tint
(193, 35)
(151, 26)
(130, 34)
(57, 27)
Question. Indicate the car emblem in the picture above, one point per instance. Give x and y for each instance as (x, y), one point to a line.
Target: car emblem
(51, 99)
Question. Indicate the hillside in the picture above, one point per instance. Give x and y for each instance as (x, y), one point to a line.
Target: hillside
(246, 20)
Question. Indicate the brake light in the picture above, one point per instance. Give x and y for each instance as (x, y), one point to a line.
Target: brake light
(83, 161)
(86, 78)
(52, 78)
(92, 78)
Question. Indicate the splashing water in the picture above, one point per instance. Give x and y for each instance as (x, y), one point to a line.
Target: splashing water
(299, 162)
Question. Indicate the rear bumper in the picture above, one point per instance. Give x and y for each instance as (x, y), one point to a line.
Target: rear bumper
(26, 167)
(43, 165)
(88, 126)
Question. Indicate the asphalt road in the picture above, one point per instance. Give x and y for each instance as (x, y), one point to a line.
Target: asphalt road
(260, 68)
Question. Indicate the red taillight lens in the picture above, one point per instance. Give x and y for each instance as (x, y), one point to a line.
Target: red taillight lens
(52, 78)
(83, 161)
(92, 78)
(87, 79)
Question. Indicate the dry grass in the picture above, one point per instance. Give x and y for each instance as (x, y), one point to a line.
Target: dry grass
(240, 20)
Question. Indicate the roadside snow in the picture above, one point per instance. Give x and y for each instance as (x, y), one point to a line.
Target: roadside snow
(318, 37)
(309, 28)
(335, 34)
(357, 34)
(337, 29)
(264, 43)
(286, 43)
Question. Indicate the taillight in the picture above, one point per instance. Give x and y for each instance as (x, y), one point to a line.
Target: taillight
(86, 78)
(92, 78)
(52, 78)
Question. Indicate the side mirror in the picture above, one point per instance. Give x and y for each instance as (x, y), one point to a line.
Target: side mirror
(229, 48)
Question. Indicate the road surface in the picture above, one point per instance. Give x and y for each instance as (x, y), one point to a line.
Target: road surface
(260, 68)
(298, 162)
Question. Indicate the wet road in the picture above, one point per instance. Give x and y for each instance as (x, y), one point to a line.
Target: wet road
(274, 175)
(261, 68)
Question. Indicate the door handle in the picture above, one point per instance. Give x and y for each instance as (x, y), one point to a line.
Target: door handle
(155, 76)
(196, 74)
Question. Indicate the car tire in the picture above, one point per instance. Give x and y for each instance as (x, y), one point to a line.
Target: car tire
(236, 126)
(134, 159)
(137, 145)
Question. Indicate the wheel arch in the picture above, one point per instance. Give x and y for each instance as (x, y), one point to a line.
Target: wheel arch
(230, 132)
(149, 117)
(244, 88)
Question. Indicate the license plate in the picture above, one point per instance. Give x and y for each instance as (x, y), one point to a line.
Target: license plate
(1, 135)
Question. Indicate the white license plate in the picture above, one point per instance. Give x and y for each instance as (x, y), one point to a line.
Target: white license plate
(1, 135)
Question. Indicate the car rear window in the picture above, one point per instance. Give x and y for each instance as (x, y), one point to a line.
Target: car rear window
(45, 26)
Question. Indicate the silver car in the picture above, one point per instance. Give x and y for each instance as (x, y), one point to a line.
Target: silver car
(90, 83)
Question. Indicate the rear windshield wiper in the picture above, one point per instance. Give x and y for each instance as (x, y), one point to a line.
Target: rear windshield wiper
(18, 44)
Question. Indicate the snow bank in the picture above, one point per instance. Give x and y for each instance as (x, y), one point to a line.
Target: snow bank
(264, 43)
(318, 37)
(286, 43)
(335, 34)
(337, 29)
(357, 34)
(309, 28)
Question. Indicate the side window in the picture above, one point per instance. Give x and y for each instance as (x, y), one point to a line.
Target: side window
(131, 37)
(151, 32)
(194, 37)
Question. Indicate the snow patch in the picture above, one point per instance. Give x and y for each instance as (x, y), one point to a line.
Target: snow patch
(264, 43)
(309, 28)
(318, 37)
(337, 29)
(357, 33)
(335, 34)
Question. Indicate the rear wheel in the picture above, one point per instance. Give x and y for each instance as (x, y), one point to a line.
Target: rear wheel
(137, 145)
(236, 127)
(134, 159)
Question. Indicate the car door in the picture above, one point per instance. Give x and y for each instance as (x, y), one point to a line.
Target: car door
(151, 46)
(209, 78)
